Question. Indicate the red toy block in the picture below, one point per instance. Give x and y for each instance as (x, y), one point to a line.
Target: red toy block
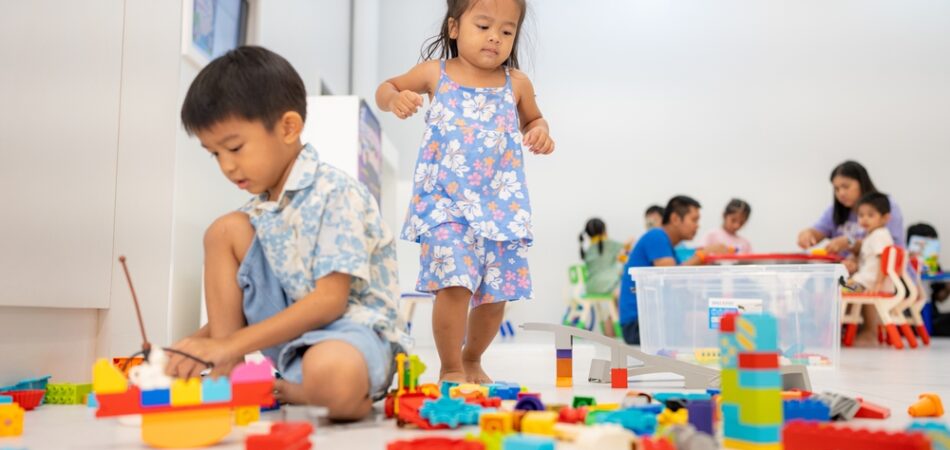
(27, 399)
(485, 402)
(727, 323)
(801, 435)
(648, 443)
(435, 443)
(618, 378)
(282, 436)
(871, 410)
(758, 360)
(409, 406)
(572, 415)
(522, 395)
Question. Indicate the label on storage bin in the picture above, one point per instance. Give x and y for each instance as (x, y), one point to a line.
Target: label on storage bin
(719, 307)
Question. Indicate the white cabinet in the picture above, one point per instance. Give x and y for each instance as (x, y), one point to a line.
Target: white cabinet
(59, 127)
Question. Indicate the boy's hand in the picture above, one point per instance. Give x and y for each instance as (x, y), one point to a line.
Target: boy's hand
(717, 249)
(405, 104)
(538, 141)
(215, 351)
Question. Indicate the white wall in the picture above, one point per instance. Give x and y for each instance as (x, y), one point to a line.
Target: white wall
(756, 100)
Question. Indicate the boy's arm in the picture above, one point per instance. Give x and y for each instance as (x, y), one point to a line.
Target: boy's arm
(535, 128)
(401, 94)
(326, 303)
(879, 280)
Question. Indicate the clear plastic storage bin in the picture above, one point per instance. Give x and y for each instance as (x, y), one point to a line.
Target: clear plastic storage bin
(680, 308)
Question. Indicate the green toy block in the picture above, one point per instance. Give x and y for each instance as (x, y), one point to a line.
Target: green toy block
(67, 393)
(583, 401)
(760, 406)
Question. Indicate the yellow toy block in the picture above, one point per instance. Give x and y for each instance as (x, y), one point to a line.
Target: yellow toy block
(463, 390)
(496, 422)
(604, 407)
(244, 415)
(198, 428)
(106, 379)
(760, 406)
(746, 445)
(491, 440)
(668, 417)
(11, 419)
(564, 382)
(539, 422)
(186, 392)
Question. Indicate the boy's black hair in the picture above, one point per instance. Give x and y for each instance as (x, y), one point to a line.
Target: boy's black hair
(654, 209)
(679, 205)
(738, 206)
(594, 227)
(921, 229)
(855, 171)
(441, 46)
(250, 83)
(876, 200)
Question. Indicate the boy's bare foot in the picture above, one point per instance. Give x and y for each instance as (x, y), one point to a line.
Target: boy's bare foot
(474, 372)
(866, 340)
(454, 376)
(287, 392)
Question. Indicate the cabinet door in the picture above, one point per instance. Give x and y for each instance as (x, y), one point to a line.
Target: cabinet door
(59, 125)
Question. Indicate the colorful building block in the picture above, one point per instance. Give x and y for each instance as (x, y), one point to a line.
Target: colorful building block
(539, 422)
(530, 403)
(435, 443)
(938, 433)
(282, 436)
(605, 437)
(503, 390)
(186, 392)
(251, 372)
(465, 390)
(800, 435)
(156, 397)
(450, 411)
(191, 428)
(11, 420)
(806, 409)
(5, 399)
(700, 414)
(523, 442)
(583, 401)
(245, 415)
(496, 422)
(215, 390)
(107, 379)
(126, 364)
(66, 393)
(670, 417)
(639, 421)
(927, 405)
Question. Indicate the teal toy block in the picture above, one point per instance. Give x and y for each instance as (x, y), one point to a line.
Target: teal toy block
(760, 379)
(756, 332)
(5, 399)
(446, 386)
(523, 442)
(215, 390)
(938, 433)
(91, 401)
(733, 428)
(662, 397)
(156, 397)
(639, 421)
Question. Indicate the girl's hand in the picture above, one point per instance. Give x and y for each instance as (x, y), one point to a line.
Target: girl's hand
(538, 141)
(405, 104)
(837, 245)
(215, 351)
(806, 239)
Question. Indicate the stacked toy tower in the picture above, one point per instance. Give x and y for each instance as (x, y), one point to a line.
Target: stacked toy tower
(751, 382)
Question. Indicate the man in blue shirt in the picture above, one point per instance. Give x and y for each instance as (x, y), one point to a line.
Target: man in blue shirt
(655, 248)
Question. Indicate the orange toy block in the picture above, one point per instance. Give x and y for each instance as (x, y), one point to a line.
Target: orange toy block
(928, 405)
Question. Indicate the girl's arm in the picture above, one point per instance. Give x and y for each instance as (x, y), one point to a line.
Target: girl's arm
(401, 94)
(535, 128)
(810, 237)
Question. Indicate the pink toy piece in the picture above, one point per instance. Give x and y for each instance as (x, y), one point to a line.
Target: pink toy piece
(253, 372)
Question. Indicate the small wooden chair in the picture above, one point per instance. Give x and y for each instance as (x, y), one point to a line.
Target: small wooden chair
(584, 310)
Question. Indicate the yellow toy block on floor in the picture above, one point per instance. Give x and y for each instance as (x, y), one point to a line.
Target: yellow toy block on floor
(539, 422)
(463, 390)
(245, 415)
(668, 417)
(106, 379)
(496, 422)
(186, 392)
(11, 420)
(178, 429)
(746, 445)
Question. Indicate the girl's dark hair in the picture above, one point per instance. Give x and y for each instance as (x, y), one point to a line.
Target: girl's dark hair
(441, 46)
(921, 229)
(855, 171)
(737, 206)
(594, 227)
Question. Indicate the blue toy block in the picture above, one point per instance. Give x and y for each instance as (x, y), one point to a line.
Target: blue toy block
(640, 422)
(529, 404)
(806, 409)
(504, 390)
(938, 433)
(756, 332)
(28, 384)
(156, 397)
(446, 386)
(701, 415)
(734, 429)
(450, 411)
(91, 401)
(713, 392)
(215, 390)
(524, 442)
(652, 408)
(760, 379)
(5, 399)
(662, 397)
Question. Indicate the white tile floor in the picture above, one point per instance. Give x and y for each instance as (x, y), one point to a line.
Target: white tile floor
(888, 377)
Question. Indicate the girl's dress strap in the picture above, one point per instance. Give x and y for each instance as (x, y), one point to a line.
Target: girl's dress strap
(442, 66)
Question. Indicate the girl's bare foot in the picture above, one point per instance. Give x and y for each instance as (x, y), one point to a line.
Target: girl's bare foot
(474, 372)
(866, 340)
(454, 376)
